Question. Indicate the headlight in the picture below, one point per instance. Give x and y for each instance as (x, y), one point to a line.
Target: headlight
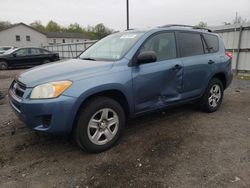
(50, 90)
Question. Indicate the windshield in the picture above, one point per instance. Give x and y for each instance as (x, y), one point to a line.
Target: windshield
(10, 51)
(112, 48)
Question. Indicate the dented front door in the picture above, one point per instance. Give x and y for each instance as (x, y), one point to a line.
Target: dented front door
(157, 84)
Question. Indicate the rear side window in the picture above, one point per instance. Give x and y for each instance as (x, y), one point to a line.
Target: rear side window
(34, 51)
(163, 44)
(190, 44)
(212, 43)
(42, 51)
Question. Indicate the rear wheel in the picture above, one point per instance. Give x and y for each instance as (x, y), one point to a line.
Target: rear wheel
(212, 98)
(3, 65)
(99, 125)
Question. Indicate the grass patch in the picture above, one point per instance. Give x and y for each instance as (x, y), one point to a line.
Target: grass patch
(243, 76)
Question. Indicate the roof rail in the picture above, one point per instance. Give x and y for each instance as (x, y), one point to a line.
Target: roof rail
(179, 25)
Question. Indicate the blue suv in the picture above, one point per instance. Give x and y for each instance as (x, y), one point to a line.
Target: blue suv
(122, 76)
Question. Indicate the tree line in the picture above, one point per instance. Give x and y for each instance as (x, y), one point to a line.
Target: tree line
(93, 32)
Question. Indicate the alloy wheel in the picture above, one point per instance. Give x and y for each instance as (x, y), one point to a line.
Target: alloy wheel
(103, 126)
(3, 66)
(214, 96)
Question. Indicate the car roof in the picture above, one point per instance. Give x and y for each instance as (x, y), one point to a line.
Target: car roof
(174, 27)
(186, 27)
(15, 49)
(31, 47)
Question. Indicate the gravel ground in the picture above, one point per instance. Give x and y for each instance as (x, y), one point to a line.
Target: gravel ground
(181, 147)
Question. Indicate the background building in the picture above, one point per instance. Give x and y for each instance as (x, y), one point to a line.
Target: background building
(63, 37)
(22, 35)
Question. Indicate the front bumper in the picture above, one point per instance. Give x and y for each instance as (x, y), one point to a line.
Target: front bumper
(54, 116)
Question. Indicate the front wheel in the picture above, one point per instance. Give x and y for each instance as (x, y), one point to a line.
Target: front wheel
(99, 124)
(3, 65)
(212, 98)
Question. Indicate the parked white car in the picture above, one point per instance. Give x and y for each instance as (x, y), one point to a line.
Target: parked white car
(5, 48)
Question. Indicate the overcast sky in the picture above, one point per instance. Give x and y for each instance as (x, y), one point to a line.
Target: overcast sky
(143, 13)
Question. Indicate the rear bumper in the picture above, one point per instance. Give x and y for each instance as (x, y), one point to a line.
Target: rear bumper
(54, 116)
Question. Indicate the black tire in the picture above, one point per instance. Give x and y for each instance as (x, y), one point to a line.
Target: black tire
(81, 130)
(3, 65)
(1, 95)
(205, 104)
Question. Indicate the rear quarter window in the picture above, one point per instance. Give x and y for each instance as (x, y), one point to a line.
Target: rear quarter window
(212, 42)
(190, 44)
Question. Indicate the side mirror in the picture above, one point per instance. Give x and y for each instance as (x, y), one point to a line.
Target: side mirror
(146, 57)
(14, 54)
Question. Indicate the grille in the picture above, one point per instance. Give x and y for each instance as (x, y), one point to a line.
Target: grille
(18, 88)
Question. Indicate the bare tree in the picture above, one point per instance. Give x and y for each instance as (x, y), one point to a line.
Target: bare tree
(202, 24)
(239, 20)
(4, 24)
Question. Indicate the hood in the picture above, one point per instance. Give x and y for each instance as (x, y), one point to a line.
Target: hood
(73, 69)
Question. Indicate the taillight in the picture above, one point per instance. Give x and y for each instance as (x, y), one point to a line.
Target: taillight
(229, 54)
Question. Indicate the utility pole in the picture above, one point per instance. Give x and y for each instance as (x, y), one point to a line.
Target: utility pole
(127, 14)
(235, 26)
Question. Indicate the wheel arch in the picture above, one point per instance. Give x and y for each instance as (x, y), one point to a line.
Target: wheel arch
(114, 94)
(4, 60)
(222, 77)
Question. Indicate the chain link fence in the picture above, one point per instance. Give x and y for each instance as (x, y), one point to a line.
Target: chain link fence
(69, 50)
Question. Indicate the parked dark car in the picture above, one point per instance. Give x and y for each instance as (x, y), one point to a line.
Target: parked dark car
(21, 57)
(122, 76)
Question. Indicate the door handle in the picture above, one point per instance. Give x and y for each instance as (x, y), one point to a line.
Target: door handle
(177, 67)
(211, 62)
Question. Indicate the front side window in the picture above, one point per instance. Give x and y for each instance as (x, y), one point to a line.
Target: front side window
(18, 38)
(162, 44)
(113, 47)
(190, 44)
(22, 52)
(212, 42)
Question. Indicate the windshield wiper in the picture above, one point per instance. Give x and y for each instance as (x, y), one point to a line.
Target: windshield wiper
(89, 58)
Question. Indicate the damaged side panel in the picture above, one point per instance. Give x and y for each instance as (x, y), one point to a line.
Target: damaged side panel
(164, 80)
